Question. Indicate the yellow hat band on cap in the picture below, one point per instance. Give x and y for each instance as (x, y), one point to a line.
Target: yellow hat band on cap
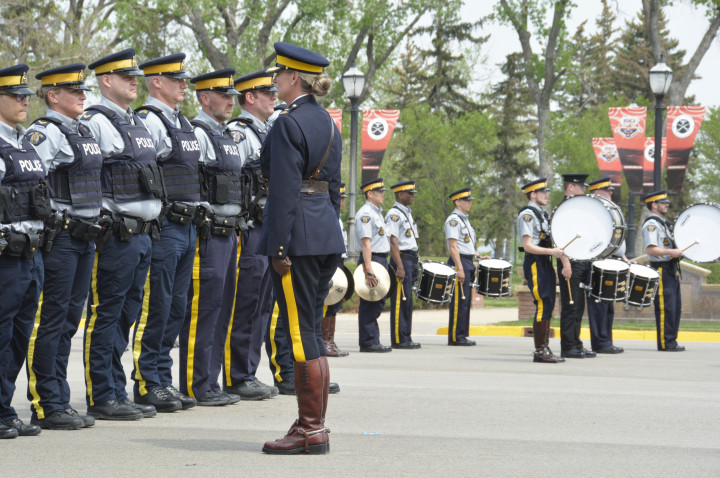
(404, 187)
(604, 184)
(11, 81)
(656, 197)
(461, 195)
(534, 187)
(298, 65)
(372, 186)
(52, 80)
(166, 68)
(342, 190)
(254, 83)
(116, 65)
(214, 83)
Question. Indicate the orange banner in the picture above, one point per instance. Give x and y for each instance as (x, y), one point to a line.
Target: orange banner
(628, 127)
(336, 115)
(649, 164)
(683, 124)
(608, 160)
(377, 128)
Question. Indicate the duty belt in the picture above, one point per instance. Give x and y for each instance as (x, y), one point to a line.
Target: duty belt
(380, 254)
(311, 186)
(23, 245)
(412, 255)
(223, 225)
(469, 257)
(181, 213)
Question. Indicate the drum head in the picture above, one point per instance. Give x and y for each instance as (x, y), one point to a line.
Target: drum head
(438, 268)
(611, 265)
(588, 217)
(495, 264)
(643, 271)
(338, 287)
(701, 223)
(372, 294)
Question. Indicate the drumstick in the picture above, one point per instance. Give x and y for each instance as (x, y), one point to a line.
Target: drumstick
(688, 247)
(569, 291)
(577, 236)
(402, 289)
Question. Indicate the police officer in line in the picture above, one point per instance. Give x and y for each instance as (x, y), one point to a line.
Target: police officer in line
(461, 240)
(371, 234)
(212, 291)
(572, 277)
(253, 299)
(601, 313)
(132, 190)
(329, 317)
(73, 160)
(404, 259)
(664, 257)
(24, 204)
(301, 160)
(173, 252)
(533, 226)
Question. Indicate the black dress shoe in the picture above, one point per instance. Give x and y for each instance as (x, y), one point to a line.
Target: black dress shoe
(230, 398)
(23, 430)
(610, 349)
(148, 411)
(59, 420)
(88, 421)
(406, 345)
(187, 402)
(376, 348)
(251, 390)
(286, 387)
(465, 342)
(334, 388)
(113, 410)
(211, 399)
(673, 348)
(573, 353)
(7, 432)
(589, 353)
(159, 398)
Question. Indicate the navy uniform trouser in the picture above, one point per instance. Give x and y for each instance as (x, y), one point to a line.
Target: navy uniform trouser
(541, 281)
(571, 314)
(277, 346)
(164, 304)
(68, 269)
(401, 310)
(668, 306)
(459, 321)
(368, 312)
(210, 302)
(252, 300)
(300, 295)
(116, 294)
(601, 315)
(21, 281)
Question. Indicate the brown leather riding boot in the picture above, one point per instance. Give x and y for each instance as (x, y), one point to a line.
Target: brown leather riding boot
(325, 329)
(541, 334)
(330, 345)
(308, 434)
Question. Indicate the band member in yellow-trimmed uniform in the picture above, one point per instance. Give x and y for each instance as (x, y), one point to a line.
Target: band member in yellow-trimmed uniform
(301, 162)
(665, 259)
(533, 226)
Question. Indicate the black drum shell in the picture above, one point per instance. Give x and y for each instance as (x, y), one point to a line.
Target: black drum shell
(491, 281)
(435, 288)
(642, 290)
(608, 285)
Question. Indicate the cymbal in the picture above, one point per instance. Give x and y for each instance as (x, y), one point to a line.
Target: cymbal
(338, 287)
(372, 294)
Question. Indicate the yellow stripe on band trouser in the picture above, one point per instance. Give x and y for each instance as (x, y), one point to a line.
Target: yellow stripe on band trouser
(273, 345)
(139, 332)
(192, 331)
(536, 294)
(293, 318)
(227, 357)
(396, 311)
(455, 308)
(661, 332)
(32, 379)
(89, 327)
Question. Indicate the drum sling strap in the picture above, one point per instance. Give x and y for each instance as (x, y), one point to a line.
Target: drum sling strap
(675, 262)
(408, 219)
(543, 242)
(312, 185)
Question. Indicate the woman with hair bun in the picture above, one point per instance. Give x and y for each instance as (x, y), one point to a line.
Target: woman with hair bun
(301, 235)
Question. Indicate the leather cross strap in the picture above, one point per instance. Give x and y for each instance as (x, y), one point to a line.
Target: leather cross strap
(316, 173)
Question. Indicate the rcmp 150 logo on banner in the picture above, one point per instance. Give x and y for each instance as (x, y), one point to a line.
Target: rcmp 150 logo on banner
(377, 129)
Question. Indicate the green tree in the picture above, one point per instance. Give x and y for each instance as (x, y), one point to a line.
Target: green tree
(704, 167)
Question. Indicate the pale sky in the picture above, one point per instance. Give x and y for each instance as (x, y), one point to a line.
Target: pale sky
(686, 24)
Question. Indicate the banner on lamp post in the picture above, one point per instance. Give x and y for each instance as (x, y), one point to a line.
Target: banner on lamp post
(336, 115)
(683, 124)
(628, 127)
(608, 161)
(649, 163)
(377, 128)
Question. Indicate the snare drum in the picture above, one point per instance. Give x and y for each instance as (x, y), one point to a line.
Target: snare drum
(599, 222)
(493, 277)
(701, 223)
(608, 280)
(642, 285)
(437, 282)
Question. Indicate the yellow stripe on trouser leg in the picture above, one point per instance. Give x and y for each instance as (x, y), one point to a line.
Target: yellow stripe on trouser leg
(32, 379)
(396, 311)
(273, 344)
(228, 342)
(536, 294)
(293, 319)
(139, 331)
(662, 311)
(192, 332)
(455, 308)
(89, 327)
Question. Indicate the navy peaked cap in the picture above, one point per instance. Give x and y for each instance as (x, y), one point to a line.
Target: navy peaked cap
(293, 57)
(14, 80)
(169, 65)
(67, 76)
(257, 80)
(121, 63)
(219, 80)
(575, 178)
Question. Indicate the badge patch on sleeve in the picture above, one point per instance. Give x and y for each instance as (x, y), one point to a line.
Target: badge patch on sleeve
(651, 228)
(365, 219)
(394, 217)
(238, 137)
(36, 137)
(527, 217)
(453, 223)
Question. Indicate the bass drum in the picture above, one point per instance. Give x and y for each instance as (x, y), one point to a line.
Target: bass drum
(701, 223)
(342, 286)
(597, 221)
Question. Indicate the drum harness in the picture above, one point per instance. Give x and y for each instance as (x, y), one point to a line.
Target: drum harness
(540, 216)
(412, 255)
(673, 263)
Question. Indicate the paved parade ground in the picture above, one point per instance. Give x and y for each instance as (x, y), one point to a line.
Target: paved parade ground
(438, 411)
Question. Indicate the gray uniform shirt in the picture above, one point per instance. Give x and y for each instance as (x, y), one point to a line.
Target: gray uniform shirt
(529, 225)
(401, 225)
(208, 154)
(344, 233)
(369, 222)
(111, 143)
(55, 149)
(247, 140)
(655, 233)
(14, 137)
(457, 226)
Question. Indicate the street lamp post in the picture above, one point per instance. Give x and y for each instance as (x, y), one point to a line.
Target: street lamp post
(660, 79)
(353, 82)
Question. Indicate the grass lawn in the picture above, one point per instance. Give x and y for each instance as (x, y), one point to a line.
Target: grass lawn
(686, 326)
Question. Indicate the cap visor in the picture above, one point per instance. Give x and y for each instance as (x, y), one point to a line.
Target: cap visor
(19, 90)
